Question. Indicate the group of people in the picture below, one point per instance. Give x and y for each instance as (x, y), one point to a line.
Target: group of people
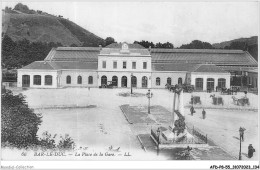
(192, 111)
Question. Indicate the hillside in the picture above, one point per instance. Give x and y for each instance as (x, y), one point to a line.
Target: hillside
(46, 28)
(251, 45)
(250, 41)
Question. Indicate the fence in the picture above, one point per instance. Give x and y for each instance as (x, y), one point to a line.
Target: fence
(196, 132)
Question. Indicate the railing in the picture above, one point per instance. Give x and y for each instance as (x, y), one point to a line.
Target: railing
(197, 133)
(155, 136)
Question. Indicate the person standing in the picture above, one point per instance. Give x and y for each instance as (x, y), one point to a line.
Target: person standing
(251, 151)
(241, 131)
(192, 110)
(203, 114)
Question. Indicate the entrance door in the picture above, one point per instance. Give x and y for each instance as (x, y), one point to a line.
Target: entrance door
(103, 80)
(124, 81)
(115, 81)
(144, 81)
(210, 83)
(26, 81)
(134, 81)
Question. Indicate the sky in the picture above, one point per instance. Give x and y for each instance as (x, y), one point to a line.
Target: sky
(158, 21)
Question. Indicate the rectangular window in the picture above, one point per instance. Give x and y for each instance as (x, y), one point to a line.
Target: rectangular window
(114, 64)
(48, 80)
(104, 64)
(133, 65)
(144, 65)
(124, 64)
(37, 80)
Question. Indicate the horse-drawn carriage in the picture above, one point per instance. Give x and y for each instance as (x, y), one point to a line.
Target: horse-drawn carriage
(216, 100)
(195, 100)
(186, 87)
(241, 102)
(229, 91)
(109, 85)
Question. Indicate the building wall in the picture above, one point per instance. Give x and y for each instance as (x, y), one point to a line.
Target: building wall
(42, 73)
(74, 78)
(119, 75)
(120, 59)
(163, 78)
(205, 76)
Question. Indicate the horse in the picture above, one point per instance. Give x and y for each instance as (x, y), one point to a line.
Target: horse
(216, 100)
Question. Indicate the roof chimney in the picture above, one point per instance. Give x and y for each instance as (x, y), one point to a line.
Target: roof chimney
(100, 47)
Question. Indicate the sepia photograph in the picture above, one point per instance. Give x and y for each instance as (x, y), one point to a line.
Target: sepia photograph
(125, 81)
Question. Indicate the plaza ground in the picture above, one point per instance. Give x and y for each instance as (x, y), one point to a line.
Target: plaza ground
(103, 124)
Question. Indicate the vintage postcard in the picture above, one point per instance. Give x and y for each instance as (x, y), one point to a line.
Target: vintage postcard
(167, 81)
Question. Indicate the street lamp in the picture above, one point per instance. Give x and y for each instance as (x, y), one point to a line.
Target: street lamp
(240, 134)
(131, 83)
(158, 134)
(149, 95)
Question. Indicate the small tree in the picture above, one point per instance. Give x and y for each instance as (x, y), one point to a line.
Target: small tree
(19, 124)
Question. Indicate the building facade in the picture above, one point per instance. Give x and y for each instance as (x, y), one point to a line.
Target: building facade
(125, 65)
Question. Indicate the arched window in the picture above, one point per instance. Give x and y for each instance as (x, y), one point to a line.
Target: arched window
(134, 81)
(169, 81)
(144, 81)
(179, 80)
(221, 83)
(37, 80)
(199, 84)
(115, 81)
(124, 81)
(48, 80)
(210, 84)
(90, 80)
(79, 80)
(158, 81)
(104, 80)
(68, 80)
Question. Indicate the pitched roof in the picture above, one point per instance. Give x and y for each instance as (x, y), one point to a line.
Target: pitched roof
(87, 54)
(173, 67)
(60, 65)
(209, 68)
(119, 45)
(39, 65)
(201, 56)
(117, 51)
(237, 68)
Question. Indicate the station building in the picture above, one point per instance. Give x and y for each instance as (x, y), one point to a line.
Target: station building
(127, 65)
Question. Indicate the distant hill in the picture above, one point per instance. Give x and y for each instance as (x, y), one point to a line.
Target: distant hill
(43, 27)
(251, 45)
(250, 41)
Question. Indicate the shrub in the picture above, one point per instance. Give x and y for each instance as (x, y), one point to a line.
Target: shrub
(19, 124)
(66, 143)
(47, 141)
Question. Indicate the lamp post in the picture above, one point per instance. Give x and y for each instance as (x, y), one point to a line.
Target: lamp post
(158, 134)
(240, 136)
(131, 83)
(149, 95)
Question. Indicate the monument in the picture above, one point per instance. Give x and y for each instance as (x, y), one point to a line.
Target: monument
(177, 134)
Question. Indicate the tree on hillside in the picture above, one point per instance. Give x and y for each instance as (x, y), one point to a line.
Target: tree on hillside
(21, 53)
(21, 7)
(197, 44)
(109, 40)
(237, 45)
(145, 44)
(19, 123)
